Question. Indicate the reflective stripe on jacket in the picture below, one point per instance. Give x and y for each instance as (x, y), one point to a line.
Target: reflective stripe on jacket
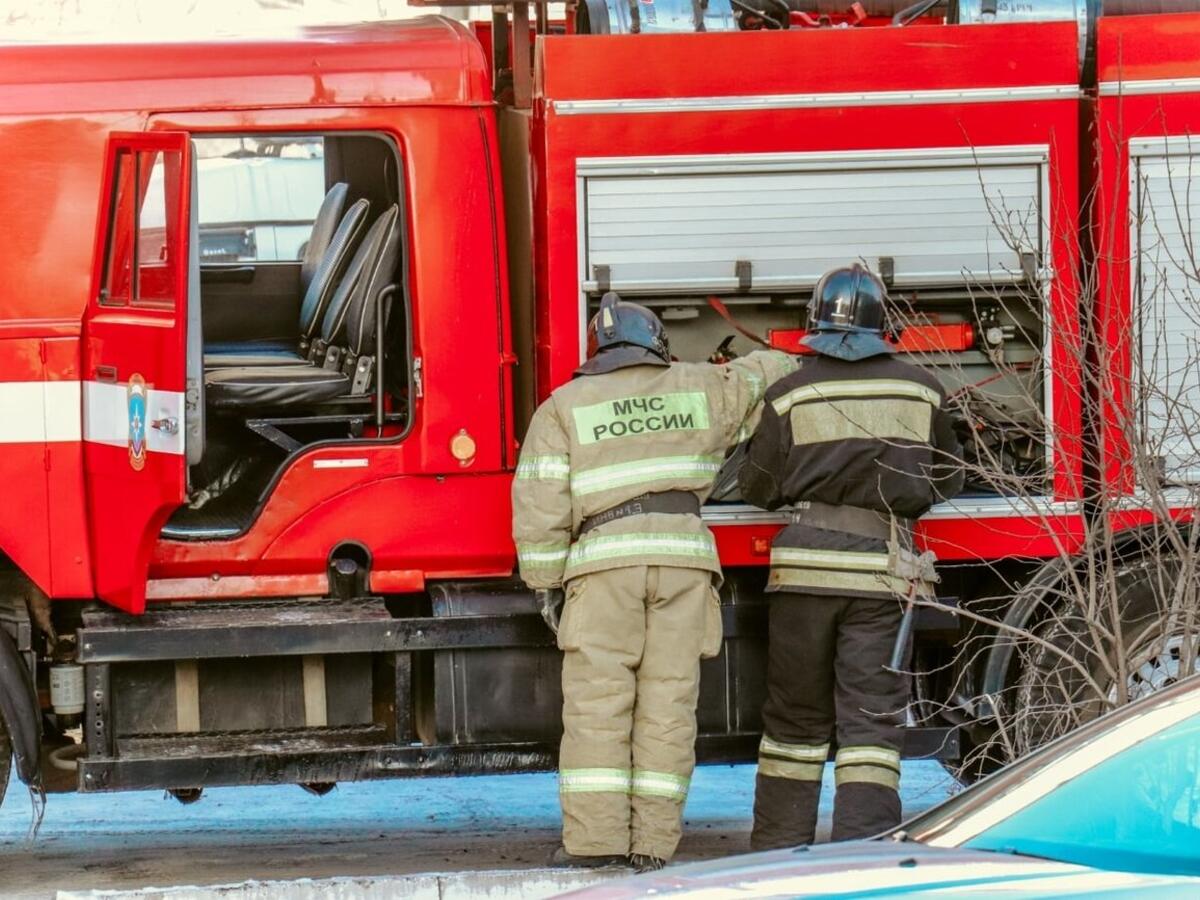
(875, 434)
(601, 440)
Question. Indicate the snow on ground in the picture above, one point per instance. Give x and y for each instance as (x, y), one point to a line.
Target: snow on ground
(364, 829)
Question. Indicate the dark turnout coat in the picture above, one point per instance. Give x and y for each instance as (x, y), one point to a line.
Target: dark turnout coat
(875, 434)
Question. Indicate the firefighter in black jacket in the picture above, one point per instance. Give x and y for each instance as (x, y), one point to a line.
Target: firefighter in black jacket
(860, 444)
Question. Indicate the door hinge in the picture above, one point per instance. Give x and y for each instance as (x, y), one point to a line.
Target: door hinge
(508, 358)
(418, 383)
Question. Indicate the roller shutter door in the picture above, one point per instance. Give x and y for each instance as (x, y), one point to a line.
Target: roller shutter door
(678, 226)
(1167, 227)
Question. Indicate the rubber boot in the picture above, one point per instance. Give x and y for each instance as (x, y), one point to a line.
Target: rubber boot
(862, 810)
(785, 812)
(561, 859)
(643, 862)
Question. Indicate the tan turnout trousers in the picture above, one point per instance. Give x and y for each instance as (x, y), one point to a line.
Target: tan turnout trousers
(633, 639)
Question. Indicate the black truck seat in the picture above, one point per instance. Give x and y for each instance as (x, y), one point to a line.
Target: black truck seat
(322, 283)
(274, 387)
(344, 365)
(349, 325)
(329, 216)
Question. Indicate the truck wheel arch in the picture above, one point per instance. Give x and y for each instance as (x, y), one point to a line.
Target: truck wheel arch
(1025, 606)
(1032, 601)
(19, 710)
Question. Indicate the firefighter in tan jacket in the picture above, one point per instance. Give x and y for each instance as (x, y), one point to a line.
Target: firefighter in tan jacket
(607, 501)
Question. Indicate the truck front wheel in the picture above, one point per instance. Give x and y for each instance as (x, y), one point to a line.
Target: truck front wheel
(1084, 659)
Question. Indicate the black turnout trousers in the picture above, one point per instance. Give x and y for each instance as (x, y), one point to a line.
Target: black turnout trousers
(827, 679)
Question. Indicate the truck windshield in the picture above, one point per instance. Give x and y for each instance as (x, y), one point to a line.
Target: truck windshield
(1137, 811)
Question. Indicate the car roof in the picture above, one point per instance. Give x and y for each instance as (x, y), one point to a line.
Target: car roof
(930, 823)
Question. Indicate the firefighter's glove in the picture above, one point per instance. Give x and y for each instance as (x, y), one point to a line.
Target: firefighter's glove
(549, 602)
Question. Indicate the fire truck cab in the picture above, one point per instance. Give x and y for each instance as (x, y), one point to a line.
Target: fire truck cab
(275, 312)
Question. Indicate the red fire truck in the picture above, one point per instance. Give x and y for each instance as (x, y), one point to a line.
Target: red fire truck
(257, 526)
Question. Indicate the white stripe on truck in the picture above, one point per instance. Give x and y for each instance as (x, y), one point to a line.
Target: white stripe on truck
(34, 412)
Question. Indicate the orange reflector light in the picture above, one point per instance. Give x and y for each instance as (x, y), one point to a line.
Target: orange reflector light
(462, 447)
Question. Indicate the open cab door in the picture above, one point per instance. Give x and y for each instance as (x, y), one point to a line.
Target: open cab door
(136, 359)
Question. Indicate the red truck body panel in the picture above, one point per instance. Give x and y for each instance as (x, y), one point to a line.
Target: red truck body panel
(1148, 107)
(425, 85)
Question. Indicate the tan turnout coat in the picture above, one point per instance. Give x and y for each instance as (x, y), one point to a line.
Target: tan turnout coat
(601, 440)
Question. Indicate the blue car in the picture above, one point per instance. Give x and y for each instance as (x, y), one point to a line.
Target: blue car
(1110, 810)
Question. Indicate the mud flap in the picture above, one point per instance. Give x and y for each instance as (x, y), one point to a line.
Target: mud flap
(19, 709)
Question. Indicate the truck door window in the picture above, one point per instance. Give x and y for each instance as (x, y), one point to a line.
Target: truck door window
(118, 274)
(157, 240)
(143, 239)
(258, 196)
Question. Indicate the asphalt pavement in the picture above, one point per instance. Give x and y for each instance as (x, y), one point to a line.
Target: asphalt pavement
(400, 827)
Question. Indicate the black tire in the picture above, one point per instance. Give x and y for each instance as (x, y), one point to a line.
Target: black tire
(1068, 675)
(5, 760)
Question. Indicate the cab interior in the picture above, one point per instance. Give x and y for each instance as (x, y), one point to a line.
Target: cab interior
(304, 311)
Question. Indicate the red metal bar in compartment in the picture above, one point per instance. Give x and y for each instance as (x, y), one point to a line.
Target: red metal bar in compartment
(952, 338)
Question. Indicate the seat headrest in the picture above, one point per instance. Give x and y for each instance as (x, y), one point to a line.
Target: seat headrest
(333, 264)
(350, 319)
(324, 225)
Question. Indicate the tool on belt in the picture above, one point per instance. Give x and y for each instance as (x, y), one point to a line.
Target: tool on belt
(920, 573)
(904, 633)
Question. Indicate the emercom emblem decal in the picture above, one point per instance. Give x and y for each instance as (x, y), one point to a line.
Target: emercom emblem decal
(137, 422)
(631, 416)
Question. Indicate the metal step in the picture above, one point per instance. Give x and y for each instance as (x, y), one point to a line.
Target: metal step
(289, 627)
(249, 743)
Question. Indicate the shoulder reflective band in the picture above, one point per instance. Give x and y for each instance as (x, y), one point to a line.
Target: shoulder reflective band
(862, 388)
(544, 468)
(592, 549)
(884, 419)
(660, 784)
(594, 781)
(634, 416)
(868, 765)
(645, 471)
(757, 386)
